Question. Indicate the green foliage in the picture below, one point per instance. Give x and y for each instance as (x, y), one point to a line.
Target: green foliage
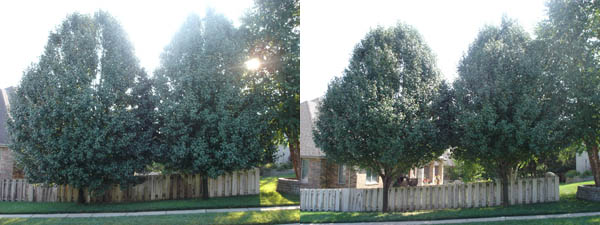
(572, 173)
(83, 114)
(558, 162)
(587, 173)
(507, 112)
(272, 34)
(572, 35)
(466, 171)
(210, 121)
(379, 114)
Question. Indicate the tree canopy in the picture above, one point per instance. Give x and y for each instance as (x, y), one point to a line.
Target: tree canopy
(272, 33)
(75, 117)
(379, 114)
(572, 35)
(209, 121)
(508, 110)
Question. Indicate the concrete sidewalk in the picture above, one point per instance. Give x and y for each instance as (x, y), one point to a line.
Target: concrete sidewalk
(148, 213)
(477, 220)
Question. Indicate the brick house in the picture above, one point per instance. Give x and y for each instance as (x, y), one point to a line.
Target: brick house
(317, 172)
(7, 165)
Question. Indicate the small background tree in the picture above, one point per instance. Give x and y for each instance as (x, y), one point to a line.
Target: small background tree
(379, 114)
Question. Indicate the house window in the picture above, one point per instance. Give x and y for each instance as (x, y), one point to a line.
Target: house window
(372, 178)
(304, 172)
(342, 174)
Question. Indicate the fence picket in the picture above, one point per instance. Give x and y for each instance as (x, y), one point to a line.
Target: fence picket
(478, 194)
(153, 188)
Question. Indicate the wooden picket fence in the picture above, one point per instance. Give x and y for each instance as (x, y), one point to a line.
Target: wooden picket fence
(469, 195)
(155, 187)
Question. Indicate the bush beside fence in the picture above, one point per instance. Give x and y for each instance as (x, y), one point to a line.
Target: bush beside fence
(469, 195)
(155, 187)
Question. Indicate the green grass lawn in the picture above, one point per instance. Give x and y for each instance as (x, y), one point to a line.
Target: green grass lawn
(561, 221)
(267, 217)
(567, 204)
(267, 197)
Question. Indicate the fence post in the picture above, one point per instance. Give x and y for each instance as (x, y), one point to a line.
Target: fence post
(257, 180)
(463, 195)
(379, 192)
(418, 197)
(528, 191)
(556, 188)
(535, 192)
(313, 193)
(235, 184)
(345, 204)
(301, 199)
(405, 198)
(490, 196)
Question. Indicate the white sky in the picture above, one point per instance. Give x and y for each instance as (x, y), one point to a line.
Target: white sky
(331, 29)
(150, 25)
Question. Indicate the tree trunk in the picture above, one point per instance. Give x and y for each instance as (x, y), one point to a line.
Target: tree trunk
(386, 187)
(294, 146)
(504, 180)
(592, 150)
(81, 196)
(204, 187)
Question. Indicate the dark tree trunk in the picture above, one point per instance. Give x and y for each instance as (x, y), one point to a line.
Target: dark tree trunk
(81, 196)
(204, 187)
(386, 190)
(592, 150)
(294, 146)
(504, 180)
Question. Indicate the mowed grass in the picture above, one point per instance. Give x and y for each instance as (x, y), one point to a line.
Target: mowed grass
(567, 204)
(268, 197)
(561, 221)
(267, 217)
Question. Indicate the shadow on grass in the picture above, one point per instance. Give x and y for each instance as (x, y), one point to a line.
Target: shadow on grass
(268, 217)
(563, 206)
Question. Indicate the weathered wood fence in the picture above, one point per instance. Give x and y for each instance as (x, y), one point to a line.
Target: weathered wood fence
(469, 195)
(155, 187)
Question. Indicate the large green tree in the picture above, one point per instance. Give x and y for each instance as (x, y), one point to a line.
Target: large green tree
(272, 32)
(210, 121)
(79, 115)
(509, 111)
(572, 32)
(379, 115)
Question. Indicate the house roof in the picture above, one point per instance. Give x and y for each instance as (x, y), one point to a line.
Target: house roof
(308, 114)
(4, 105)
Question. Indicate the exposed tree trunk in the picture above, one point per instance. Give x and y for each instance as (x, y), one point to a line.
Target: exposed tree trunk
(504, 180)
(592, 150)
(81, 196)
(204, 187)
(294, 146)
(386, 187)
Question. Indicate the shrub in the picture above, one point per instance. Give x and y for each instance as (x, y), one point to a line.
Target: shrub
(572, 173)
(466, 171)
(285, 166)
(587, 173)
